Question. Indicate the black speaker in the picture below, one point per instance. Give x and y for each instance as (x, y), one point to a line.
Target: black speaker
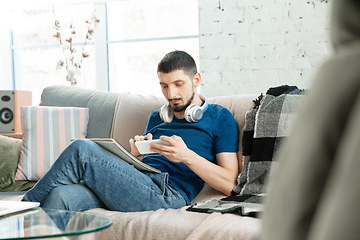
(10, 109)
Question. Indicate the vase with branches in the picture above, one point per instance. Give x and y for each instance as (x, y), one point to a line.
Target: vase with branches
(73, 61)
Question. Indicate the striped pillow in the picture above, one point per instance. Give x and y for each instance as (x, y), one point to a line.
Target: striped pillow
(47, 131)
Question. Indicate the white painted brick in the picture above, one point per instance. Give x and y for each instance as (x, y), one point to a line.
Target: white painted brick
(247, 89)
(221, 89)
(210, 16)
(235, 27)
(268, 38)
(247, 46)
(272, 63)
(228, 4)
(283, 26)
(211, 65)
(288, 51)
(322, 8)
(239, 52)
(315, 49)
(300, 9)
(211, 78)
(221, 65)
(253, 3)
(284, 2)
(267, 75)
(263, 27)
(247, 63)
(211, 28)
(217, 40)
(290, 76)
(211, 52)
(268, 51)
(277, 12)
(235, 15)
(305, 37)
(302, 62)
(243, 76)
(232, 65)
(208, 4)
(320, 24)
(255, 14)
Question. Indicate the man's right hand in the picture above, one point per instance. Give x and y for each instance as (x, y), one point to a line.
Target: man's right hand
(134, 151)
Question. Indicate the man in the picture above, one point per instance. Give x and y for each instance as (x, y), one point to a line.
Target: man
(87, 176)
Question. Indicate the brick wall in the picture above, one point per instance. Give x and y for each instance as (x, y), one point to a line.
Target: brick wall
(247, 46)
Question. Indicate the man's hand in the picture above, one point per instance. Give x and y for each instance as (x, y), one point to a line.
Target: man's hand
(134, 151)
(177, 151)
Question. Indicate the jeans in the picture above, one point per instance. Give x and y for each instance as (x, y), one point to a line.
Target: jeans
(87, 176)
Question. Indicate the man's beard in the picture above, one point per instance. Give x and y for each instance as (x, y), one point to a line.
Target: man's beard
(180, 108)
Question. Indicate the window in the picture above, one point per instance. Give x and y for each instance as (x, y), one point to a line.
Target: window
(137, 34)
(141, 33)
(35, 51)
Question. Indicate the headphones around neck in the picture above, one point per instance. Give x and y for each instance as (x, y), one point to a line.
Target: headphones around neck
(193, 113)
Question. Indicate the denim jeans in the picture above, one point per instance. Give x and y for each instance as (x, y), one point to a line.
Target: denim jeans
(87, 176)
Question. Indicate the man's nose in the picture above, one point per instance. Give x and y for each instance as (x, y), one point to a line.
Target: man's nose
(171, 93)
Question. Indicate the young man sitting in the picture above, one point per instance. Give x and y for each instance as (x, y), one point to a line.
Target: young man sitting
(203, 145)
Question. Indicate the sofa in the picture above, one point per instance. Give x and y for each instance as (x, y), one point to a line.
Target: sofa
(122, 116)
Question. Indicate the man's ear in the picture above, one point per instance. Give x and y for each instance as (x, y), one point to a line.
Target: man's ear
(197, 79)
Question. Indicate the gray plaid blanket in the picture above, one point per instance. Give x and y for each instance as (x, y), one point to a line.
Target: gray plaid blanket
(266, 126)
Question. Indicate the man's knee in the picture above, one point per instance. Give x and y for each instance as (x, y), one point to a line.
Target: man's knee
(80, 143)
(59, 198)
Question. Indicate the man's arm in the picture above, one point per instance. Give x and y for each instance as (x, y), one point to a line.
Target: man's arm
(221, 177)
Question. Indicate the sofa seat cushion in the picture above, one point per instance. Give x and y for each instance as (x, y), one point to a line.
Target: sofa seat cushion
(175, 224)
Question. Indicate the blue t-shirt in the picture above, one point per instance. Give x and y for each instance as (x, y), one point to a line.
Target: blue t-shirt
(215, 133)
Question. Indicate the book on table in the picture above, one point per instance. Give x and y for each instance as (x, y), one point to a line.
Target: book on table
(115, 147)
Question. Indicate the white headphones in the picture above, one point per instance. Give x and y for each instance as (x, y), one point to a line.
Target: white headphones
(193, 113)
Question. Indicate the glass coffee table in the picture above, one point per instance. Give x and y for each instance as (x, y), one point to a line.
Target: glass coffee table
(47, 223)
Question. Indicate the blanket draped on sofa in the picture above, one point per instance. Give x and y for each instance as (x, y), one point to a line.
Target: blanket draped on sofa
(266, 126)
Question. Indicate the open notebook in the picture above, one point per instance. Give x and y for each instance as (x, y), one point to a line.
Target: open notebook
(7, 207)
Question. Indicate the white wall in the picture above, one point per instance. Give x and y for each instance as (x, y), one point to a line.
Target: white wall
(247, 46)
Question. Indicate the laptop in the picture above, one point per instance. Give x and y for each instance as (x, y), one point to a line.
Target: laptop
(7, 207)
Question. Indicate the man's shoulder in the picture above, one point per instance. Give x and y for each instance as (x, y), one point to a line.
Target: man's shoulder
(219, 109)
(215, 106)
(155, 112)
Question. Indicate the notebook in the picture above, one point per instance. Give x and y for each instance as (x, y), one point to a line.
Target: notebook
(115, 147)
(7, 207)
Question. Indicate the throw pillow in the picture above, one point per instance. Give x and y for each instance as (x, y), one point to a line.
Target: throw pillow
(47, 131)
(9, 159)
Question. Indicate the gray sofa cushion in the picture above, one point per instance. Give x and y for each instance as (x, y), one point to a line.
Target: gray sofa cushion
(101, 106)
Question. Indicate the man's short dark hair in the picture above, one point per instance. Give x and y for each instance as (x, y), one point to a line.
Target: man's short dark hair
(178, 60)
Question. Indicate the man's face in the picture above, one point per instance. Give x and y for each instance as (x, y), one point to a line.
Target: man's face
(178, 88)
